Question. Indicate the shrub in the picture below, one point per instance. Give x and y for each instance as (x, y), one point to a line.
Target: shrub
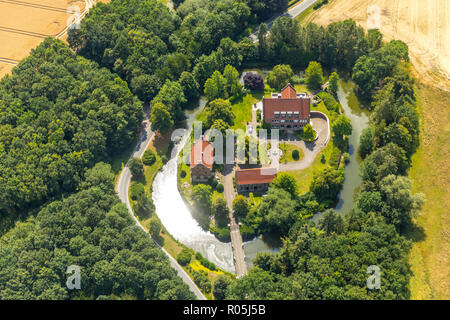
(205, 262)
(164, 158)
(213, 182)
(136, 167)
(346, 158)
(201, 279)
(149, 157)
(223, 234)
(184, 257)
(219, 188)
(322, 158)
(295, 155)
(183, 174)
(136, 189)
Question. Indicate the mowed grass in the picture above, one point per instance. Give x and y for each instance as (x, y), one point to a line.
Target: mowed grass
(243, 111)
(304, 177)
(287, 152)
(430, 174)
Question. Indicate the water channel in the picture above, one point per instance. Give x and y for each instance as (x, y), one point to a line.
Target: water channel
(179, 222)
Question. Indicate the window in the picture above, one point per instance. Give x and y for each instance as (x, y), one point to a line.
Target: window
(277, 114)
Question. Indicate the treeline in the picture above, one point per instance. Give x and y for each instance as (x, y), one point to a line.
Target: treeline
(93, 230)
(330, 259)
(340, 44)
(59, 114)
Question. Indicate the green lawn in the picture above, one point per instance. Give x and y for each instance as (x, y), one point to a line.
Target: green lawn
(243, 111)
(304, 177)
(287, 152)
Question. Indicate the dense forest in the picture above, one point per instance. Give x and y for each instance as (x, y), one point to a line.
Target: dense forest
(93, 230)
(61, 112)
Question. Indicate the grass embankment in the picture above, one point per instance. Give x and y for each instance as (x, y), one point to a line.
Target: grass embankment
(430, 174)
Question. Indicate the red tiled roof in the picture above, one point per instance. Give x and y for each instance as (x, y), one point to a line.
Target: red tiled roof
(288, 92)
(202, 152)
(255, 176)
(287, 102)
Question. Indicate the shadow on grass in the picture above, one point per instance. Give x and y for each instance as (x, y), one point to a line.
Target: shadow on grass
(414, 232)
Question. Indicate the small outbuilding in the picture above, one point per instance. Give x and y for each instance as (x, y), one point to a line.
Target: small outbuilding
(254, 180)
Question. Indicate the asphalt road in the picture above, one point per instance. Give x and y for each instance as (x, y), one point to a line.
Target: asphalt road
(291, 13)
(122, 190)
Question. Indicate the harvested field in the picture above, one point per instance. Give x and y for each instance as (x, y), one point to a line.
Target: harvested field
(423, 24)
(25, 23)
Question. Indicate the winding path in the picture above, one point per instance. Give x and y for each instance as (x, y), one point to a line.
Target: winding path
(122, 190)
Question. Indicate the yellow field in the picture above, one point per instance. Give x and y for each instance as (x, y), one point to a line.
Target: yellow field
(423, 24)
(430, 173)
(24, 24)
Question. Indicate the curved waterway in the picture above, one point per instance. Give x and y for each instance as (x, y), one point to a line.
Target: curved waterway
(359, 119)
(175, 215)
(179, 222)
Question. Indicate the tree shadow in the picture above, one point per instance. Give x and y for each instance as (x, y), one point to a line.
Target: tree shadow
(414, 232)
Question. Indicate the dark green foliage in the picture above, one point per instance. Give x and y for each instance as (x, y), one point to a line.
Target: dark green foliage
(136, 167)
(219, 187)
(201, 195)
(136, 189)
(219, 110)
(314, 75)
(59, 114)
(286, 182)
(184, 257)
(326, 184)
(366, 142)
(276, 211)
(149, 157)
(240, 206)
(331, 222)
(295, 154)
(329, 101)
(220, 211)
(93, 230)
(333, 85)
(154, 227)
(201, 280)
(280, 76)
(371, 69)
(220, 285)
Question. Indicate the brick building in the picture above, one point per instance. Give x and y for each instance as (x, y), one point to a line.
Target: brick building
(201, 161)
(287, 110)
(254, 180)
